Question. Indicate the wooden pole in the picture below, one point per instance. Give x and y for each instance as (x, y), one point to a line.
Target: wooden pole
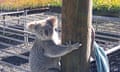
(76, 26)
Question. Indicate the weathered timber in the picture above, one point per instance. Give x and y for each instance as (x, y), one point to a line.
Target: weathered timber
(76, 26)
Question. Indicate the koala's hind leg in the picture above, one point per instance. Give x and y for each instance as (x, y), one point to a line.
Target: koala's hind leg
(54, 70)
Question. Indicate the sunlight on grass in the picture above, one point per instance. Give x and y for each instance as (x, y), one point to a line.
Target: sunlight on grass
(106, 4)
(21, 4)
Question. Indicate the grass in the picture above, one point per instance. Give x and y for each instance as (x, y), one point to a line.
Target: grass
(22, 4)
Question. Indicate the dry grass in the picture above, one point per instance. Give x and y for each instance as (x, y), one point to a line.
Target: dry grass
(99, 5)
(21, 4)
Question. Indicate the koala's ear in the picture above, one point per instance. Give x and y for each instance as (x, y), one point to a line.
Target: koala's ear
(30, 26)
(51, 21)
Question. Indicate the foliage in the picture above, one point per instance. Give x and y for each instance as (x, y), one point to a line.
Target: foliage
(22, 4)
(98, 5)
(106, 5)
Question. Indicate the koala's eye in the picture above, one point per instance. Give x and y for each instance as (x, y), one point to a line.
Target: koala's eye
(46, 32)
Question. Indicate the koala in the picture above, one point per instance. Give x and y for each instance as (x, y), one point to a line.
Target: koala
(47, 49)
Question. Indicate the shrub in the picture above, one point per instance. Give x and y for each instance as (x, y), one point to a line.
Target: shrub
(106, 5)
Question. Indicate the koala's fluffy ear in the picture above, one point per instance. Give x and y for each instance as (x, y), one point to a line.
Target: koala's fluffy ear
(51, 21)
(30, 26)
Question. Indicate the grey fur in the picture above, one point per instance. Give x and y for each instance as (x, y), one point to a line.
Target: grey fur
(45, 54)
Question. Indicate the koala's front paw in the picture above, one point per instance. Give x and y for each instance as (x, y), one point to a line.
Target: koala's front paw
(73, 46)
(76, 45)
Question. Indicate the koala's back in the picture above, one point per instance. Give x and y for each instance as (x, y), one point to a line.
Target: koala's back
(38, 61)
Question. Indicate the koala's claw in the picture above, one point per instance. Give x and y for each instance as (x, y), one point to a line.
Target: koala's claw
(76, 45)
(68, 43)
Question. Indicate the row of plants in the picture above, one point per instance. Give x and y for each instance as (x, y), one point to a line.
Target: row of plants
(99, 6)
(107, 7)
(23, 4)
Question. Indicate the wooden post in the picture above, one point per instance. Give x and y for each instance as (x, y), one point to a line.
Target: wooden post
(76, 24)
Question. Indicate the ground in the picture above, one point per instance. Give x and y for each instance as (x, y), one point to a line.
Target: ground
(107, 35)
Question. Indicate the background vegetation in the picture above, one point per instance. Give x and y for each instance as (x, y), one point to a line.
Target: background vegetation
(99, 6)
(22, 4)
(107, 7)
